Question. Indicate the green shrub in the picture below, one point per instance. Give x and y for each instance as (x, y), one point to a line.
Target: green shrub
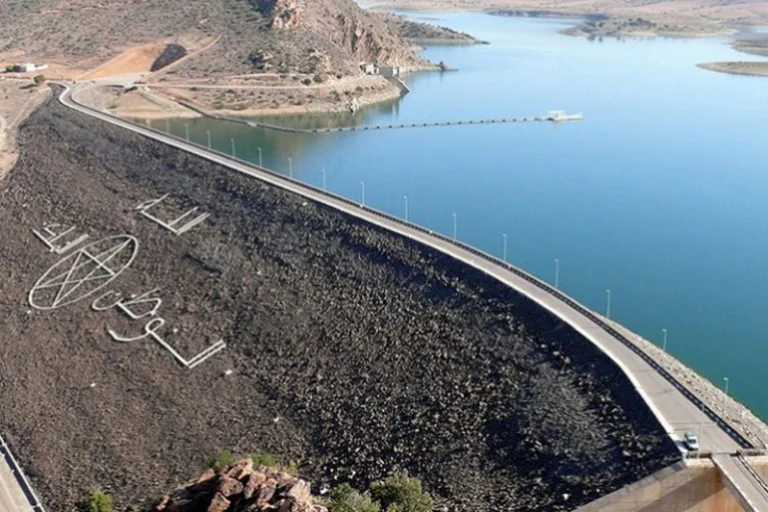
(292, 468)
(95, 501)
(401, 493)
(264, 459)
(346, 499)
(39, 79)
(223, 459)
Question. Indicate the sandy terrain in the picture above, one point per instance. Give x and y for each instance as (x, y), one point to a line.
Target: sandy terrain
(134, 60)
(17, 101)
(247, 95)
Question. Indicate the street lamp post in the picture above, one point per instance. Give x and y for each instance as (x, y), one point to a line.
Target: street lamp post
(290, 167)
(455, 226)
(557, 274)
(261, 164)
(504, 251)
(186, 130)
(233, 147)
(208, 134)
(664, 341)
(725, 379)
(405, 200)
(362, 189)
(324, 180)
(608, 304)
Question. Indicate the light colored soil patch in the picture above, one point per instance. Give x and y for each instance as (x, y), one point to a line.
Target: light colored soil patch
(241, 96)
(134, 60)
(17, 101)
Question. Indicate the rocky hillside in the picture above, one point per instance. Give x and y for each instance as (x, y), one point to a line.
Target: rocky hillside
(309, 36)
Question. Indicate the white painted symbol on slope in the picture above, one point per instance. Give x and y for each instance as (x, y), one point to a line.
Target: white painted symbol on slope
(137, 308)
(84, 272)
(49, 237)
(171, 225)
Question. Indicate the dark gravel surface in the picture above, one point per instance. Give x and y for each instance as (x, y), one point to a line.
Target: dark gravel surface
(355, 351)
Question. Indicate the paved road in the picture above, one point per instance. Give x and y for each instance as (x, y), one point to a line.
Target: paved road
(676, 409)
(12, 497)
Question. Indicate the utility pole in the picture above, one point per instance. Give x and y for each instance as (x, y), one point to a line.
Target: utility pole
(233, 147)
(362, 187)
(405, 200)
(290, 167)
(664, 342)
(324, 180)
(208, 134)
(260, 160)
(504, 252)
(557, 274)
(608, 304)
(455, 226)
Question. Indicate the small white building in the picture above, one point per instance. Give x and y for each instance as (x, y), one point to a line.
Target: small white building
(369, 68)
(29, 67)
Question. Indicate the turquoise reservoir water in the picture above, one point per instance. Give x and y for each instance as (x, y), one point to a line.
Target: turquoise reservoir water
(658, 195)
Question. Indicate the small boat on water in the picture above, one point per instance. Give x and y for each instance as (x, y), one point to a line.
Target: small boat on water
(558, 116)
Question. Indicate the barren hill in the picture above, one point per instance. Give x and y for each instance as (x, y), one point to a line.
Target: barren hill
(317, 36)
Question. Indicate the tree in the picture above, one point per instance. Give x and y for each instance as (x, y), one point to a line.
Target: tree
(346, 499)
(39, 79)
(95, 501)
(401, 493)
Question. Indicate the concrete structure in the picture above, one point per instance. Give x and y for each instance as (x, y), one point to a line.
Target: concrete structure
(389, 71)
(693, 485)
(675, 407)
(15, 493)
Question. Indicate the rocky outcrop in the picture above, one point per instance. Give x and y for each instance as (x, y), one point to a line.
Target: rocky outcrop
(241, 488)
(282, 14)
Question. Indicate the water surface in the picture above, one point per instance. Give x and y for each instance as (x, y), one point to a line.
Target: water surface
(658, 195)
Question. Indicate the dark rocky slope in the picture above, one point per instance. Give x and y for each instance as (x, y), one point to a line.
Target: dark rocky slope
(355, 351)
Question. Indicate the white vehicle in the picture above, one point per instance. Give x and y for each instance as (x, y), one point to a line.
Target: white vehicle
(691, 441)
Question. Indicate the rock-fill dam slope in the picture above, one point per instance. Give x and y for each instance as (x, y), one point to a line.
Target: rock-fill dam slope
(354, 351)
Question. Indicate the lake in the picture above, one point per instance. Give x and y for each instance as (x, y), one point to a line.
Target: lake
(659, 195)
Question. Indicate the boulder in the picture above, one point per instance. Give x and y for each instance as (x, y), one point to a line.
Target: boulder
(218, 504)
